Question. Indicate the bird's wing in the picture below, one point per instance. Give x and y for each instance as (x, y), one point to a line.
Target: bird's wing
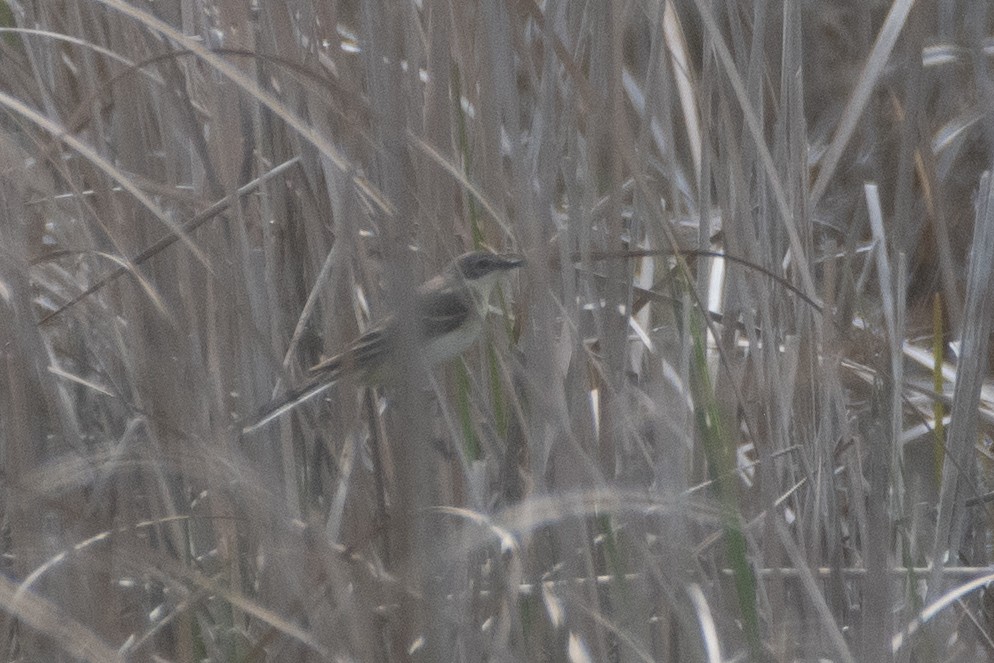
(443, 311)
(440, 312)
(362, 352)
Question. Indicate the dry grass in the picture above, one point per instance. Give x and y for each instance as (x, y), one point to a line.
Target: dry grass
(655, 454)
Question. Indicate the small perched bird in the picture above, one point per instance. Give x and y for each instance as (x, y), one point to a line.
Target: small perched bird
(450, 311)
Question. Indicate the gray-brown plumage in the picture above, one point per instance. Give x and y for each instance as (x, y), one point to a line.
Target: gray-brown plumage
(450, 310)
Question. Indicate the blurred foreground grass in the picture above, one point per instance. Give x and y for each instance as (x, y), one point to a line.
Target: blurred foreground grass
(655, 454)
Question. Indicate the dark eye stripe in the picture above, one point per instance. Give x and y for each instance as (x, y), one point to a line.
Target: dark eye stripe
(482, 264)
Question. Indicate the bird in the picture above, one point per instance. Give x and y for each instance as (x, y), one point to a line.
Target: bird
(450, 310)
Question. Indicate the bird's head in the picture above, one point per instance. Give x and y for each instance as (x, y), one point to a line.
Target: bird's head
(481, 270)
(477, 265)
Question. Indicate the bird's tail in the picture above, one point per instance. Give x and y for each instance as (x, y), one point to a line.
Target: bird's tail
(278, 408)
(362, 359)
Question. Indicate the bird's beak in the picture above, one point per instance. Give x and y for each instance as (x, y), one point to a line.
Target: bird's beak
(512, 260)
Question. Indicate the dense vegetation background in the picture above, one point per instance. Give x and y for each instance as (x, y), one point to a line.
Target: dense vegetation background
(735, 408)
